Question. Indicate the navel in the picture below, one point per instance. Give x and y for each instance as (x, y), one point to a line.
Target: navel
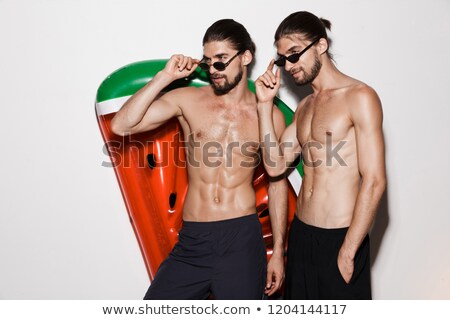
(216, 199)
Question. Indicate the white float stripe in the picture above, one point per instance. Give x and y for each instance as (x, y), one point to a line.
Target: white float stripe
(296, 181)
(110, 106)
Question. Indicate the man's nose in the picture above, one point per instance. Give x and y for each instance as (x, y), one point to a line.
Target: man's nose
(288, 66)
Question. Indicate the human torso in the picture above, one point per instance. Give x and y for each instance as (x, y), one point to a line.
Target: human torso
(222, 143)
(331, 181)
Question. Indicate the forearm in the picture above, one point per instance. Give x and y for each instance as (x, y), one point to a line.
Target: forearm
(274, 161)
(369, 196)
(134, 110)
(278, 207)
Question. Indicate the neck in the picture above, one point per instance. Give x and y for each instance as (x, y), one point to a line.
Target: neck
(238, 94)
(329, 77)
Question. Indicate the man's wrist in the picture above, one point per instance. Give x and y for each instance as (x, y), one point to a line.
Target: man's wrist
(265, 105)
(348, 249)
(163, 77)
(278, 251)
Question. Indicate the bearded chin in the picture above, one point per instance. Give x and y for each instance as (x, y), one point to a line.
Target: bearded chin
(227, 86)
(309, 77)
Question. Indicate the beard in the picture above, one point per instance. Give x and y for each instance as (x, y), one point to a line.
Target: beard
(309, 77)
(227, 86)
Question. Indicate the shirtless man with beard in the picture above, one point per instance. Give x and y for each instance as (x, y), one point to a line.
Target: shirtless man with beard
(338, 131)
(220, 249)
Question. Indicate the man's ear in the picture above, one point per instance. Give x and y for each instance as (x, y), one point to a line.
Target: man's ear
(322, 45)
(247, 57)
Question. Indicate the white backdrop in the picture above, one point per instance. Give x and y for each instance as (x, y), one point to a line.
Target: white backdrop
(64, 230)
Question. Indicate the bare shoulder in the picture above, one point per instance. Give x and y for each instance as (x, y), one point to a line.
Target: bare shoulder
(360, 90)
(363, 102)
(184, 96)
(183, 93)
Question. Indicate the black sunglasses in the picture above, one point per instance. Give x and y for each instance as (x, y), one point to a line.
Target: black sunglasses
(293, 58)
(218, 65)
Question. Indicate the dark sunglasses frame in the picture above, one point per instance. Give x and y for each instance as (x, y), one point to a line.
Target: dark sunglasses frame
(219, 65)
(293, 58)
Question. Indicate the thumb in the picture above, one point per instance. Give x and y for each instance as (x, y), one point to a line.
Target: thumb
(269, 280)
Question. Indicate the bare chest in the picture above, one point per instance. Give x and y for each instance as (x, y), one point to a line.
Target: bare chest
(323, 121)
(227, 129)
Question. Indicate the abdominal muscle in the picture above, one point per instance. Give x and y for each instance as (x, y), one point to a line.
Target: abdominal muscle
(327, 197)
(219, 194)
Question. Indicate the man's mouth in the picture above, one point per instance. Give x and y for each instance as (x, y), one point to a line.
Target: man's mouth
(217, 79)
(294, 72)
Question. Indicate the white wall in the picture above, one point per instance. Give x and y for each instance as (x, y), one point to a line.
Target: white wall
(64, 231)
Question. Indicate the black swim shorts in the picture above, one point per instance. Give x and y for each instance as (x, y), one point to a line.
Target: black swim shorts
(312, 271)
(225, 259)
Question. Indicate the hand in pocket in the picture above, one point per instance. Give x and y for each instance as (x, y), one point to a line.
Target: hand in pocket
(345, 266)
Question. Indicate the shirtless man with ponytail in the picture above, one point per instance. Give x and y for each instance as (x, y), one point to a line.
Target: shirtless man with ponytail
(338, 132)
(220, 250)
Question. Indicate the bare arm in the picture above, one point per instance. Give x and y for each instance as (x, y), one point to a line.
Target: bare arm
(278, 204)
(143, 111)
(367, 117)
(278, 154)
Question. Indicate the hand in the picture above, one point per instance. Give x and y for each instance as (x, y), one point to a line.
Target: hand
(275, 274)
(268, 84)
(180, 66)
(346, 266)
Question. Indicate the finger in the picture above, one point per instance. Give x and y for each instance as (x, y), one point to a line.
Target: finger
(183, 63)
(264, 81)
(272, 290)
(277, 283)
(193, 63)
(269, 80)
(271, 64)
(277, 84)
(190, 63)
(178, 58)
(272, 77)
(350, 275)
(174, 61)
(278, 75)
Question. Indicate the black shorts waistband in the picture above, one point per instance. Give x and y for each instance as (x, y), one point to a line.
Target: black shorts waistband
(228, 223)
(314, 229)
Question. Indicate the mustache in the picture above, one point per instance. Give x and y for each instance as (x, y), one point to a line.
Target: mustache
(216, 76)
(292, 71)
